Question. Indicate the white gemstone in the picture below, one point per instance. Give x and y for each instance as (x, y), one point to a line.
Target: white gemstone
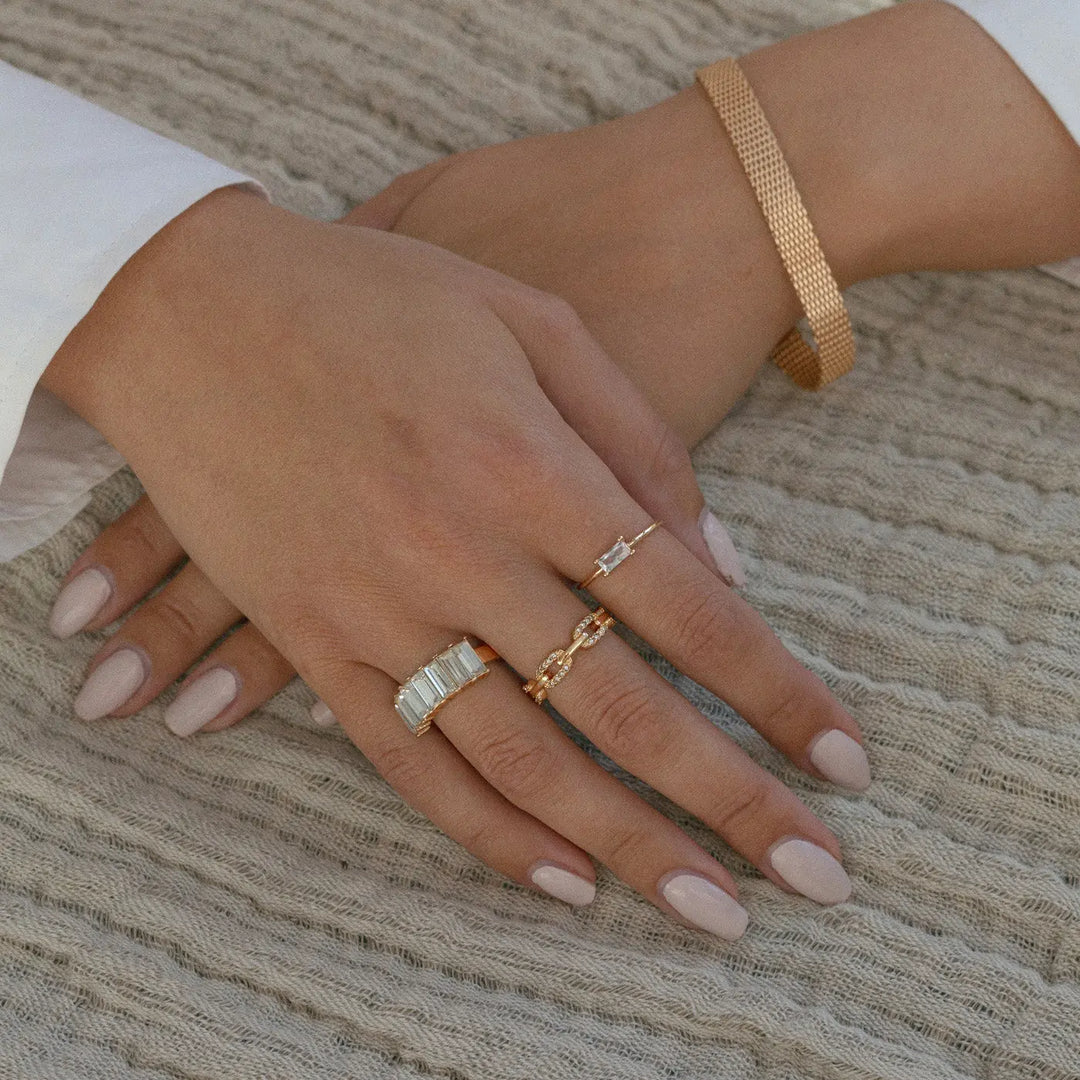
(410, 706)
(457, 668)
(469, 659)
(610, 559)
(424, 690)
(439, 679)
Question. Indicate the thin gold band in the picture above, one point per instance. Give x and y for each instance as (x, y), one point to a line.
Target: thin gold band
(774, 186)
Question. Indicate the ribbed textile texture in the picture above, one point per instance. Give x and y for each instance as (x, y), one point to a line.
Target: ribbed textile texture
(260, 903)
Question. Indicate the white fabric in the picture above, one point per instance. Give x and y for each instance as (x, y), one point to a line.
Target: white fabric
(1042, 36)
(81, 190)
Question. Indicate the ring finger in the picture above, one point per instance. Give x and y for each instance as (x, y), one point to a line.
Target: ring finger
(528, 763)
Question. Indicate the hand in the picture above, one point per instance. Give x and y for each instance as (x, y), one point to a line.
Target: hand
(293, 484)
(543, 209)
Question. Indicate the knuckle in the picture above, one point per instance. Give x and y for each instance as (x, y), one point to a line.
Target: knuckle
(627, 847)
(627, 721)
(669, 463)
(786, 714)
(747, 804)
(309, 640)
(515, 763)
(400, 766)
(140, 540)
(550, 313)
(560, 318)
(180, 624)
(706, 628)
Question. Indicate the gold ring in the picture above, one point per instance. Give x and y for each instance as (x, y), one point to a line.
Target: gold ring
(444, 676)
(555, 665)
(619, 552)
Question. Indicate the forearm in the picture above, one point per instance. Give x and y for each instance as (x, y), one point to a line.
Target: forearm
(916, 143)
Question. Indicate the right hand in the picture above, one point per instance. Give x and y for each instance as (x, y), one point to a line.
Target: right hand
(344, 431)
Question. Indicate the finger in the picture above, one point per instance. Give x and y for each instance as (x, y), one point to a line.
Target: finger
(234, 679)
(522, 755)
(715, 637)
(614, 418)
(382, 211)
(116, 571)
(162, 639)
(434, 779)
(635, 717)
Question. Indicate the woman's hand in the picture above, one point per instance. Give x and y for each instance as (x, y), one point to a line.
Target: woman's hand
(354, 437)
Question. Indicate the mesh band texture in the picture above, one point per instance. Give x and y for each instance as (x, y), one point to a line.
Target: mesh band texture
(761, 157)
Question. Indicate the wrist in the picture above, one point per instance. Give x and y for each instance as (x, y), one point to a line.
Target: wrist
(121, 356)
(917, 143)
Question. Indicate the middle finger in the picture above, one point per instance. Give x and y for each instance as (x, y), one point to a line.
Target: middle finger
(631, 713)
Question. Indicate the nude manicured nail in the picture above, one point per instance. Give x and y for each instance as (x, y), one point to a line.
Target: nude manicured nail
(110, 684)
(722, 549)
(811, 870)
(79, 601)
(706, 905)
(562, 884)
(321, 714)
(841, 759)
(201, 700)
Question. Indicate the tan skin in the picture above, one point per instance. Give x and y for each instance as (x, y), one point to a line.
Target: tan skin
(647, 226)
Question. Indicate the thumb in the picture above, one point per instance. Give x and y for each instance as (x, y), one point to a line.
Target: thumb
(612, 415)
(383, 210)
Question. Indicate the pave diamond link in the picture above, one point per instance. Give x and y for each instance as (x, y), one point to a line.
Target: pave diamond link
(555, 666)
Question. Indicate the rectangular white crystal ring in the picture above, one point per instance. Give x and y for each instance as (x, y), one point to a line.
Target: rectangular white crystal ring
(618, 553)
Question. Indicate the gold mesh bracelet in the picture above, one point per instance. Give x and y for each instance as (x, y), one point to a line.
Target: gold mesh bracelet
(769, 175)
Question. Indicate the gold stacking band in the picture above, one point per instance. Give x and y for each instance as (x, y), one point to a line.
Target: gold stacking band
(556, 665)
(794, 235)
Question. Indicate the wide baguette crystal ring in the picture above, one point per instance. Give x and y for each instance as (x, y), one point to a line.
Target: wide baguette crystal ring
(619, 552)
(555, 666)
(444, 676)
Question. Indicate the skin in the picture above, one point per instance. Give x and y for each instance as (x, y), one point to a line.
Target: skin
(888, 123)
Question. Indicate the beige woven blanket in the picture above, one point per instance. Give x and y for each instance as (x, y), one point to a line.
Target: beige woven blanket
(260, 904)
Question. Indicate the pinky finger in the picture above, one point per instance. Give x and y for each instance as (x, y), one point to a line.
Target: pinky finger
(241, 674)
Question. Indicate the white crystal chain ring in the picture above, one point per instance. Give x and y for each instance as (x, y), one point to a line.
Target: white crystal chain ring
(554, 667)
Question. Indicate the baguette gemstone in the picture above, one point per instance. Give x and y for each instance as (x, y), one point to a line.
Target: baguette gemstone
(437, 681)
(619, 552)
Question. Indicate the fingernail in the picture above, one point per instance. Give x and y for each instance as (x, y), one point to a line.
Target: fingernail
(706, 905)
(110, 684)
(811, 870)
(321, 714)
(201, 700)
(841, 759)
(562, 884)
(79, 601)
(722, 549)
